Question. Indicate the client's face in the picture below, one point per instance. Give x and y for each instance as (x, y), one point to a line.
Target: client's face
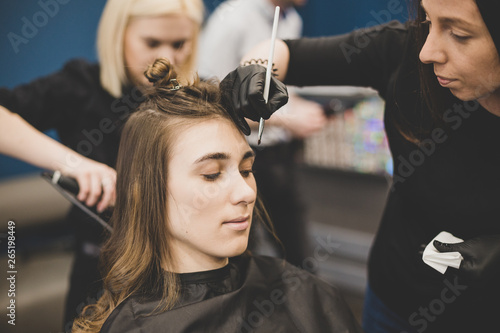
(211, 195)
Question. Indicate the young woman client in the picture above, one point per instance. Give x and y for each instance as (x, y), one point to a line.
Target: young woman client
(177, 260)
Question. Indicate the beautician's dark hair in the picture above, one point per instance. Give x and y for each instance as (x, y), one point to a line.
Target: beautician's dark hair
(437, 99)
(136, 257)
(434, 97)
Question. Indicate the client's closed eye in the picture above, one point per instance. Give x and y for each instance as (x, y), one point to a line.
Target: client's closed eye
(246, 173)
(211, 177)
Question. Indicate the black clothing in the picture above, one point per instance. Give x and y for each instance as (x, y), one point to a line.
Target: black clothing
(250, 294)
(88, 120)
(449, 183)
(72, 101)
(275, 171)
(85, 287)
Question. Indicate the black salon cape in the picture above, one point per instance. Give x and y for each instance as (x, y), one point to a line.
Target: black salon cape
(250, 294)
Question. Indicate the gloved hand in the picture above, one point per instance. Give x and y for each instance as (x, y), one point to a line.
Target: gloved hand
(481, 254)
(243, 95)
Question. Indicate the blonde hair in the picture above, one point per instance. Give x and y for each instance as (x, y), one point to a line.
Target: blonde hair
(114, 20)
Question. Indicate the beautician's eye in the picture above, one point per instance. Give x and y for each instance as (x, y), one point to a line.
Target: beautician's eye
(459, 37)
(152, 43)
(211, 177)
(178, 45)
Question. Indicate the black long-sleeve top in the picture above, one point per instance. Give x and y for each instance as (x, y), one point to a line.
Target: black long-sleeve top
(86, 117)
(450, 183)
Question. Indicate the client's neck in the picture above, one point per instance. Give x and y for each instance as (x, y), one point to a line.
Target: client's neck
(188, 264)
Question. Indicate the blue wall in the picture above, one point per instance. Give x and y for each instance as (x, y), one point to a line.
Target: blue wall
(35, 41)
(38, 36)
(330, 17)
(70, 32)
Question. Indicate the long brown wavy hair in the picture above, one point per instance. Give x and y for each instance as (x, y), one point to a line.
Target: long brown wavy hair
(134, 257)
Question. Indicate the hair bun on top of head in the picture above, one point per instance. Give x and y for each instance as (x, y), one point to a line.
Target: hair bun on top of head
(162, 74)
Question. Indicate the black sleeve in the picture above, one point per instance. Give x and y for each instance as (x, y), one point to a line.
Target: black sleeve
(365, 57)
(52, 101)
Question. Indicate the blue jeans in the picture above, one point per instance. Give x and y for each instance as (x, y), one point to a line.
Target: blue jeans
(378, 318)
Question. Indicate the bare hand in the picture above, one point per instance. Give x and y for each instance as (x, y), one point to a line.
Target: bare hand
(96, 180)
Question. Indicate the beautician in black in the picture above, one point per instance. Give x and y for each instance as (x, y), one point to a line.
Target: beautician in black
(440, 78)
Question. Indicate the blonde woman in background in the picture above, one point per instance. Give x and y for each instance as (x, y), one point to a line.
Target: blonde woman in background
(88, 103)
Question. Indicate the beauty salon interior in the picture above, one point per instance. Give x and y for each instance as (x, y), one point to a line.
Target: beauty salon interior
(342, 170)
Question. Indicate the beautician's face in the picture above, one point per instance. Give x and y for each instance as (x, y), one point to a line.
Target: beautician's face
(150, 37)
(461, 49)
(211, 195)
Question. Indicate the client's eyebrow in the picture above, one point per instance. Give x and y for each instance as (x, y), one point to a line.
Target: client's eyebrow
(212, 156)
(248, 154)
(223, 156)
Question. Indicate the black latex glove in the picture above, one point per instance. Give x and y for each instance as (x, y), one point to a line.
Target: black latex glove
(481, 254)
(243, 95)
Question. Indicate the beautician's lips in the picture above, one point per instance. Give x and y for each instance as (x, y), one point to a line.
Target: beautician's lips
(240, 223)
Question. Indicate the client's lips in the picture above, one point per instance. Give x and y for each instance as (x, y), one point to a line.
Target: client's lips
(240, 223)
(444, 81)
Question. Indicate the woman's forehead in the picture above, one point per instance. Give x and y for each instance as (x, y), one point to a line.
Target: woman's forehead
(207, 137)
(459, 11)
(164, 26)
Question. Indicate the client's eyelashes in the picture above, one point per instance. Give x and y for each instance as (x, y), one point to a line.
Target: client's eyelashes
(212, 177)
(246, 173)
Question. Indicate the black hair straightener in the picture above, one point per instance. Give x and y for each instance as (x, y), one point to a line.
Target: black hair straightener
(69, 188)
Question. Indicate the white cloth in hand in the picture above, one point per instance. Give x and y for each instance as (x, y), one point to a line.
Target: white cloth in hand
(441, 260)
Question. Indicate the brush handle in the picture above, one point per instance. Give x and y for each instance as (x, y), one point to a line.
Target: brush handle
(269, 69)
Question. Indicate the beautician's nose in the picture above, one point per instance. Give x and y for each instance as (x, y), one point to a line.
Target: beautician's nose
(433, 51)
(167, 51)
